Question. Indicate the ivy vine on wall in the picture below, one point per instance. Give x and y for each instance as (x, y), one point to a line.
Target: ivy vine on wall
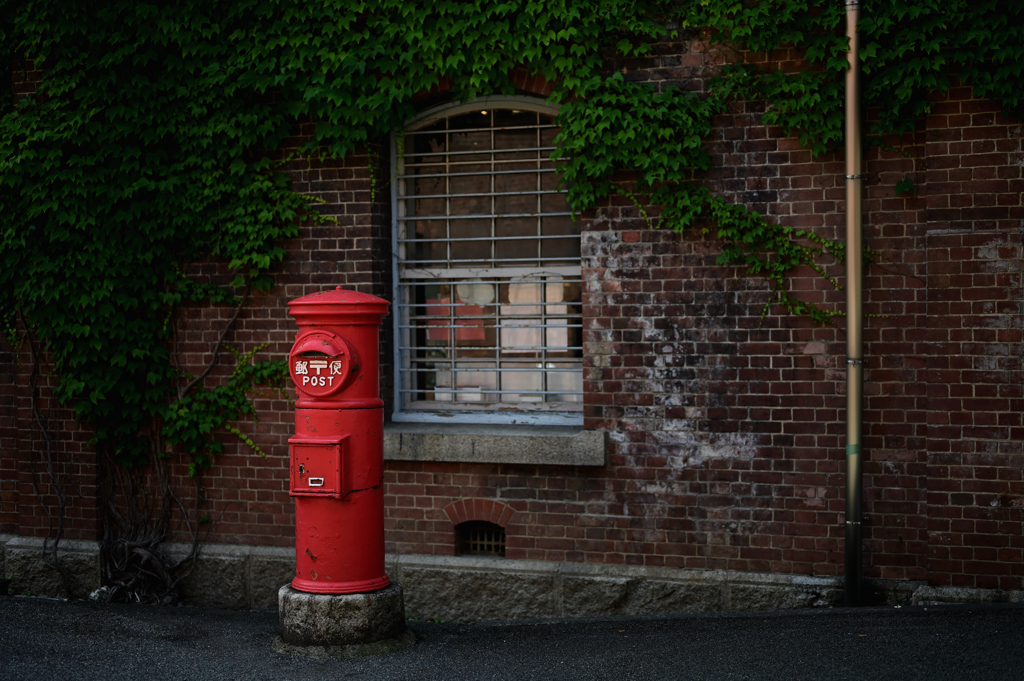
(149, 144)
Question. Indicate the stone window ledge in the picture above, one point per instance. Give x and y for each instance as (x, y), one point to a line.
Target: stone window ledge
(514, 444)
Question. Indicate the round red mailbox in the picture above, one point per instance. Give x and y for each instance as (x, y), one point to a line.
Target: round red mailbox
(337, 457)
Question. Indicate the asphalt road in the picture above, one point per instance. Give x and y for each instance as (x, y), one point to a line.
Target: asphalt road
(49, 639)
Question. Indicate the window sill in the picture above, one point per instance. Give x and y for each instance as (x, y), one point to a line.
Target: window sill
(485, 443)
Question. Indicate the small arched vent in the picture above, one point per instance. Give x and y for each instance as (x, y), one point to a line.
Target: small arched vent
(479, 538)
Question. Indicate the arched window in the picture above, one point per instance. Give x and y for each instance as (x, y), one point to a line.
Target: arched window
(487, 269)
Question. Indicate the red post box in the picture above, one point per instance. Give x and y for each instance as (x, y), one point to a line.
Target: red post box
(337, 454)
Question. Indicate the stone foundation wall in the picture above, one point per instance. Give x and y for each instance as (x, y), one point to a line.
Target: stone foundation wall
(471, 589)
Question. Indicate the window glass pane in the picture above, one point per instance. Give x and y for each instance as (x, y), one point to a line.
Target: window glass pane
(431, 241)
(563, 240)
(517, 248)
(469, 244)
(507, 118)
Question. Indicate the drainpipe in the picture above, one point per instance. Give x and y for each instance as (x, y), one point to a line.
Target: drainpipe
(854, 313)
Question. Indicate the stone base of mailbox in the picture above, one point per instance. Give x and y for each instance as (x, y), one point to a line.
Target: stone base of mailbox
(342, 625)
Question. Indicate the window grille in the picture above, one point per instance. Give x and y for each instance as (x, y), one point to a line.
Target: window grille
(479, 538)
(488, 288)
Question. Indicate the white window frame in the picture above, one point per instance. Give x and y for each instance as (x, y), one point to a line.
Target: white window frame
(508, 414)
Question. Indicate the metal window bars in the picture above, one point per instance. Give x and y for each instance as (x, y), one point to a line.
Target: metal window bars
(479, 538)
(488, 288)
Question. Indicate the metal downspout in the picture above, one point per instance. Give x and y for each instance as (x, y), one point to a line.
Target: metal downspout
(854, 313)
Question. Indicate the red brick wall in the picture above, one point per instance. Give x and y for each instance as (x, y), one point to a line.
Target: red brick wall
(33, 470)
(726, 424)
(974, 347)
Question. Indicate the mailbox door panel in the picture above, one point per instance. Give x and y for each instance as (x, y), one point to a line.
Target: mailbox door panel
(316, 468)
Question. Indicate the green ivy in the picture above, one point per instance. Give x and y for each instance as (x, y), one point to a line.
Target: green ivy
(192, 420)
(911, 52)
(657, 136)
(152, 141)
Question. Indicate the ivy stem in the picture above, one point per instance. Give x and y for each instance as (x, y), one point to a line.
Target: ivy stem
(216, 349)
(59, 482)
